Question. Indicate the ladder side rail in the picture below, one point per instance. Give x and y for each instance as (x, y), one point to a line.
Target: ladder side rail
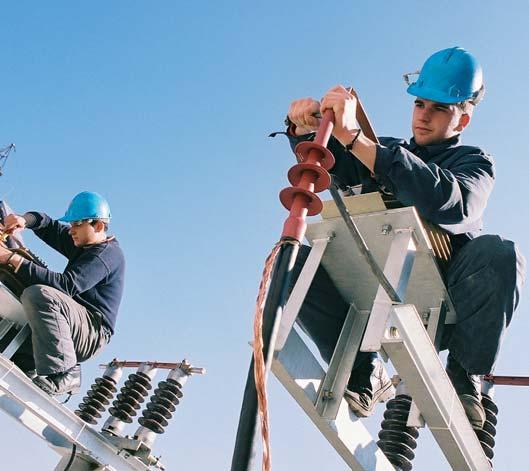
(17, 341)
(331, 392)
(300, 290)
(435, 328)
(300, 373)
(415, 358)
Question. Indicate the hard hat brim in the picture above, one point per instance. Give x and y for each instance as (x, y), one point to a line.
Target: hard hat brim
(95, 218)
(434, 95)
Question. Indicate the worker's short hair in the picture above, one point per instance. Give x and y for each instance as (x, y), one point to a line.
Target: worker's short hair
(104, 221)
(465, 106)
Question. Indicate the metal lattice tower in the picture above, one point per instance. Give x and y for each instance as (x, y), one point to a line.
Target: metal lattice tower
(4, 154)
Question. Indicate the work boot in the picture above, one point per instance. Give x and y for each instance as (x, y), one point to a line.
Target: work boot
(468, 388)
(369, 384)
(66, 382)
(31, 374)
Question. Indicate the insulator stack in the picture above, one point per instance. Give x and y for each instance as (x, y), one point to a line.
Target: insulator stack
(99, 395)
(308, 177)
(396, 439)
(129, 399)
(132, 394)
(162, 404)
(488, 432)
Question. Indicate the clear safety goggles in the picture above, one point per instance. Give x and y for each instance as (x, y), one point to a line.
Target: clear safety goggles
(408, 75)
(81, 222)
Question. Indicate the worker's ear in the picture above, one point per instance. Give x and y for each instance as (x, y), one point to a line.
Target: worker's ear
(99, 226)
(464, 121)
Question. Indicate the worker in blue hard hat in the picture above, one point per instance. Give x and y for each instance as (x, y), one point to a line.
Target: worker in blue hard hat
(72, 315)
(449, 183)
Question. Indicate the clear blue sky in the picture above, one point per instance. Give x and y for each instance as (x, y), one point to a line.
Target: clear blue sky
(165, 107)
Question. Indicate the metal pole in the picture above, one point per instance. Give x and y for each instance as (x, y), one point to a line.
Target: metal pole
(507, 380)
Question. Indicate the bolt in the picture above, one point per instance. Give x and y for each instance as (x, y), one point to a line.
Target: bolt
(386, 229)
(328, 394)
(394, 332)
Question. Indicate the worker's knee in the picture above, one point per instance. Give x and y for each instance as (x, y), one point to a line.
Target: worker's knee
(501, 252)
(37, 295)
(500, 257)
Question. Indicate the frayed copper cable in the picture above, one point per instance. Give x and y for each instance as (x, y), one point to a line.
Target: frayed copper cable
(259, 361)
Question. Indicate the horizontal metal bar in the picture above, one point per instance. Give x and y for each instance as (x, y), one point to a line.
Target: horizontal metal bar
(508, 380)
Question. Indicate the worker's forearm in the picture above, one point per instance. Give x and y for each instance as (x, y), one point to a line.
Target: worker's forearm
(364, 149)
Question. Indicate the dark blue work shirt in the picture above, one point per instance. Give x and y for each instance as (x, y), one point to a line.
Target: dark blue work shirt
(449, 183)
(94, 275)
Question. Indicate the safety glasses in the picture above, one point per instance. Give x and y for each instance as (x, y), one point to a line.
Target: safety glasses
(408, 75)
(80, 223)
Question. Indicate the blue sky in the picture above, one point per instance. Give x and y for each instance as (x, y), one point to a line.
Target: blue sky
(165, 107)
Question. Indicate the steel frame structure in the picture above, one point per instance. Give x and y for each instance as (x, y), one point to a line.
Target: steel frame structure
(406, 333)
(81, 447)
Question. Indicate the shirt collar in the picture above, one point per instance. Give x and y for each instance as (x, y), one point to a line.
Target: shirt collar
(435, 149)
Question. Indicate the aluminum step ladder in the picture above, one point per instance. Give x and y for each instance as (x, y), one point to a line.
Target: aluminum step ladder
(406, 334)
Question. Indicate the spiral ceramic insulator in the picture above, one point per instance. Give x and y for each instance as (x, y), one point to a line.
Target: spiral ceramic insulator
(96, 400)
(396, 439)
(161, 406)
(132, 394)
(488, 432)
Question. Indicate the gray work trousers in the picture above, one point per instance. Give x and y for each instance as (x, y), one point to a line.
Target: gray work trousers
(63, 332)
(484, 280)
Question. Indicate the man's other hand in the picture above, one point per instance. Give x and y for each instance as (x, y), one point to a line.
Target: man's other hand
(343, 104)
(301, 113)
(13, 222)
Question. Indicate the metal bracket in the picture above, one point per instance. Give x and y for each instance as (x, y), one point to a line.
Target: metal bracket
(16, 343)
(333, 386)
(300, 290)
(397, 269)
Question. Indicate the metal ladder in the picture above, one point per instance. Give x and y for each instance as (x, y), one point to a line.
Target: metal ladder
(407, 334)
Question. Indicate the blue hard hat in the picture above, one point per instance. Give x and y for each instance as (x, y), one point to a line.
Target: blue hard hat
(87, 205)
(449, 76)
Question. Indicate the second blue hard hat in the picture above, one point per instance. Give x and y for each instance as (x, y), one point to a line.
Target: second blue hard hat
(87, 205)
(449, 76)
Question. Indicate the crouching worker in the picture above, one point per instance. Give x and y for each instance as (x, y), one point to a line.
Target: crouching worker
(71, 314)
(449, 184)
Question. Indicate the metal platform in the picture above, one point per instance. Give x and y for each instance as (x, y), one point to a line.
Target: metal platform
(406, 333)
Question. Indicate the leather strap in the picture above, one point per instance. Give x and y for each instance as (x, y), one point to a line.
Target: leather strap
(363, 120)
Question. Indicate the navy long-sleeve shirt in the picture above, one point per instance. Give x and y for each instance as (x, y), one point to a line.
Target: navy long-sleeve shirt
(94, 275)
(449, 183)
